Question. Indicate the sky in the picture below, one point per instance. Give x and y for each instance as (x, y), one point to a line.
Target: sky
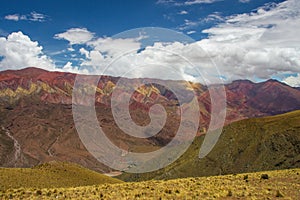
(196, 40)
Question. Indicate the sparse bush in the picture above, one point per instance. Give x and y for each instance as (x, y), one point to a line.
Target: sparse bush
(278, 194)
(231, 186)
(229, 194)
(38, 192)
(264, 176)
(137, 195)
(168, 191)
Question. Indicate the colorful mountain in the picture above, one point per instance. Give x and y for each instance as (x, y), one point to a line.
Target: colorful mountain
(37, 122)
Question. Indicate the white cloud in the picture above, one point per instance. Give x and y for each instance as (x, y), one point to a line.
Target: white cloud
(84, 52)
(164, 1)
(105, 50)
(192, 2)
(68, 67)
(75, 36)
(253, 45)
(214, 17)
(19, 51)
(14, 17)
(183, 12)
(114, 47)
(38, 17)
(185, 3)
(71, 49)
(293, 81)
(190, 32)
(188, 24)
(259, 44)
(244, 1)
(256, 45)
(33, 16)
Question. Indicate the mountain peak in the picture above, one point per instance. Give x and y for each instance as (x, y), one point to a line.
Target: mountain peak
(26, 72)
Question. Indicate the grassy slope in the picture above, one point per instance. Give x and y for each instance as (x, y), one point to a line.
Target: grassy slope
(51, 175)
(244, 146)
(284, 183)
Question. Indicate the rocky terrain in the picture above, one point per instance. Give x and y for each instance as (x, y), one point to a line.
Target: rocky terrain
(37, 123)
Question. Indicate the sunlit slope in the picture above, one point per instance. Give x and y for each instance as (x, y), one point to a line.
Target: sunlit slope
(260, 185)
(51, 175)
(245, 146)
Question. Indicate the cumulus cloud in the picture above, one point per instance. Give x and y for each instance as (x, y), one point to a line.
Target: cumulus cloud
(33, 16)
(104, 51)
(257, 44)
(75, 36)
(293, 81)
(114, 46)
(19, 51)
(69, 67)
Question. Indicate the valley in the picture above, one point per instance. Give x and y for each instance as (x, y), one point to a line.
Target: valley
(42, 156)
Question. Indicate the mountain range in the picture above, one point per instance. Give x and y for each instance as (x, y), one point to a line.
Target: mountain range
(37, 123)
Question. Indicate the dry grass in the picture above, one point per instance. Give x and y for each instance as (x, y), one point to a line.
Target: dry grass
(251, 145)
(284, 184)
(51, 175)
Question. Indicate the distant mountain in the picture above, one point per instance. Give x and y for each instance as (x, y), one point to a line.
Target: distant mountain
(37, 122)
(250, 145)
(265, 98)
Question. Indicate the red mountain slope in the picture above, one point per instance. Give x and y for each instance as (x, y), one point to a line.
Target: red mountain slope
(37, 123)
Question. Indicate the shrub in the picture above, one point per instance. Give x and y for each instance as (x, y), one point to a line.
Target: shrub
(264, 176)
(39, 192)
(278, 194)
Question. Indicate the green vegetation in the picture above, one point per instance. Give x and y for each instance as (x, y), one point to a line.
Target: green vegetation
(51, 175)
(283, 184)
(249, 145)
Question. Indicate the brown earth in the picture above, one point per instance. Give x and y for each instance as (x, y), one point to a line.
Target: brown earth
(36, 110)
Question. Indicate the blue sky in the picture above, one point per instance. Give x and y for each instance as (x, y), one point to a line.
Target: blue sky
(80, 36)
(107, 18)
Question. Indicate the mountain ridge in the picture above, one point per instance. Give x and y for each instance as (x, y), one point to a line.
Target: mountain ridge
(249, 145)
(36, 109)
